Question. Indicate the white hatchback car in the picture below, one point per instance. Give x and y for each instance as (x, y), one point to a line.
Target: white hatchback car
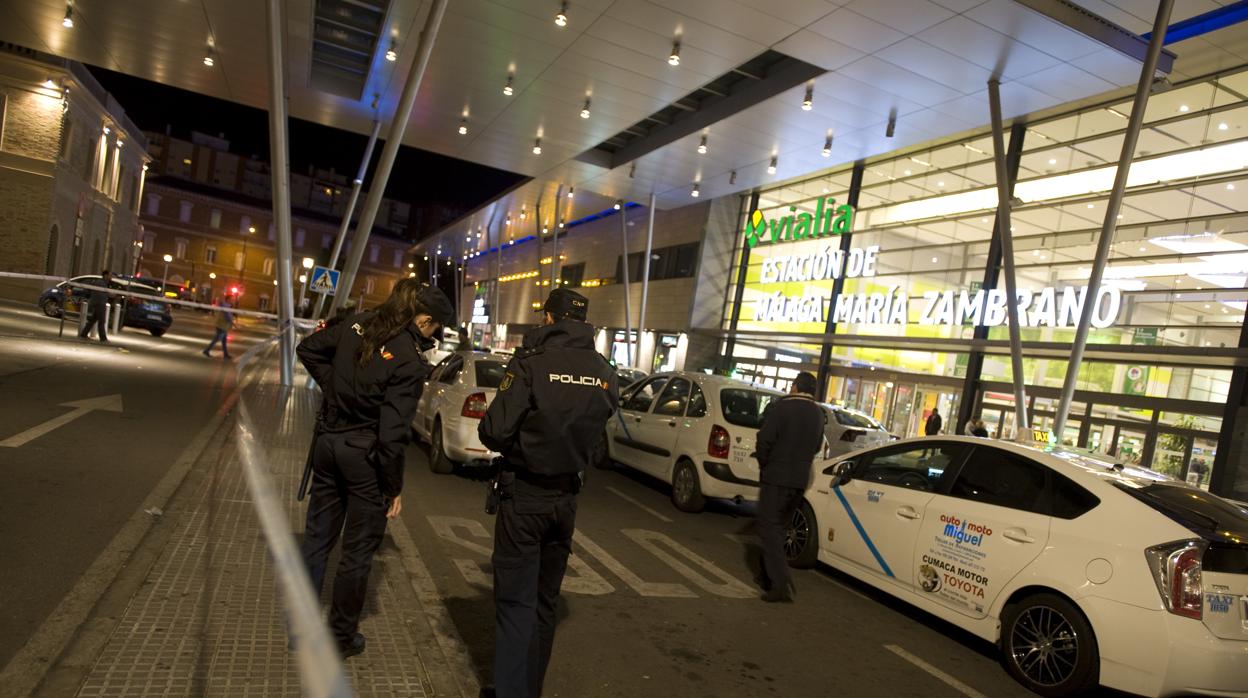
(456, 396)
(694, 431)
(1082, 571)
(849, 430)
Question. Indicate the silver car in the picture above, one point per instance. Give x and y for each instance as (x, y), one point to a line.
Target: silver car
(849, 430)
(694, 431)
(456, 396)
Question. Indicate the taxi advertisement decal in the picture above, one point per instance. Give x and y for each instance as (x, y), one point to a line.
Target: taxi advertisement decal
(952, 568)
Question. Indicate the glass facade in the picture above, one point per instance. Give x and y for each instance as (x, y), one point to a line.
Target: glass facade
(911, 286)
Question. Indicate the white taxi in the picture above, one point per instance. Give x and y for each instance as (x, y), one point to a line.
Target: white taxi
(693, 430)
(1081, 570)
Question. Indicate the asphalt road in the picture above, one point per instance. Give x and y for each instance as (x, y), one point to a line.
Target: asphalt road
(66, 492)
(658, 602)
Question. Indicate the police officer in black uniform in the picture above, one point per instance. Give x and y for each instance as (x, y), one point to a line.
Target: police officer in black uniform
(371, 369)
(789, 438)
(551, 408)
(97, 308)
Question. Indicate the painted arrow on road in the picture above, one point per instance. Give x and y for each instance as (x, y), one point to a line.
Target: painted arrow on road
(108, 403)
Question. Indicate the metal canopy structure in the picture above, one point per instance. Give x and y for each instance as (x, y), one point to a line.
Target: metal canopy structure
(927, 61)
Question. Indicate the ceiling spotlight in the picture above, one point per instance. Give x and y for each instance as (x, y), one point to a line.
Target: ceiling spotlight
(507, 89)
(732, 178)
(618, 204)
(1222, 126)
(1230, 187)
(509, 219)
(463, 127)
(68, 22)
(392, 54)
(561, 19)
(209, 58)
(892, 124)
(585, 109)
(49, 83)
(771, 168)
(695, 193)
(571, 192)
(808, 102)
(537, 146)
(674, 59)
(561, 225)
(827, 147)
(1183, 108)
(702, 145)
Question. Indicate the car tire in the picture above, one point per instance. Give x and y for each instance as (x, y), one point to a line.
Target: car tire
(157, 331)
(801, 537)
(51, 308)
(601, 456)
(686, 488)
(1048, 646)
(438, 460)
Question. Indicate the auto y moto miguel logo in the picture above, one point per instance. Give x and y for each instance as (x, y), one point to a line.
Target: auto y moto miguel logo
(964, 532)
(828, 219)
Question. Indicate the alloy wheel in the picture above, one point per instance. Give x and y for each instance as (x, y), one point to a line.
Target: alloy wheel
(1044, 646)
(684, 484)
(796, 535)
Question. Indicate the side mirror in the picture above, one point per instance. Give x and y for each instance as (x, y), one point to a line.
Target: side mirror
(841, 472)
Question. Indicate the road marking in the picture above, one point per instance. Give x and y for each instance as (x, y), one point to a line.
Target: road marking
(109, 403)
(850, 589)
(667, 590)
(727, 586)
(947, 679)
(639, 505)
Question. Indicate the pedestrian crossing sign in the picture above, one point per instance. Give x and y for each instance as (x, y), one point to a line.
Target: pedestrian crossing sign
(324, 280)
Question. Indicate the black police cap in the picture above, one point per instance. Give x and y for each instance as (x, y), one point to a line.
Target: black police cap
(438, 305)
(564, 302)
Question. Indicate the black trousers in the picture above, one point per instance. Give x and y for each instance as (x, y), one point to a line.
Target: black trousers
(95, 318)
(532, 540)
(346, 498)
(776, 505)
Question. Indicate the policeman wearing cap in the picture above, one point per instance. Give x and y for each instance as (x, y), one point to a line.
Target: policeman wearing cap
(551, 408)
(371, 369)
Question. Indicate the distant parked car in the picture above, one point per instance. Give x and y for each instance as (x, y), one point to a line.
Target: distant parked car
(143, 313)
(456, 396)
(849, 430)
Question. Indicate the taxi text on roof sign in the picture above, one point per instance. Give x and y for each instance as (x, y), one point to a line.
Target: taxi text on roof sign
(828, 219)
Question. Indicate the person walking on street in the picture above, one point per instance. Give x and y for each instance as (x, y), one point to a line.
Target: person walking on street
(371, 369)
(934, 423)
(789, 438)
(97, 307)
(225, 322)
(550, 410)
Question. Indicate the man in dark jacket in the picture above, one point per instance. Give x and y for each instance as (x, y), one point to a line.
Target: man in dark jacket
(97, 307)
(791, 435)
(549, 412)
(934, 423)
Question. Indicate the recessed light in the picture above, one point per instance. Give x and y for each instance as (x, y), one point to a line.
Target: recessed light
(1222, 126)
(1183, 108)
(808, 102)
(771, 168)
(1143, 249)
(940, 184)
(1052, 161)
(1230, 187)
(674, 58)
(1091, 205)
(907, 172)
(935, 260)
(561, 18)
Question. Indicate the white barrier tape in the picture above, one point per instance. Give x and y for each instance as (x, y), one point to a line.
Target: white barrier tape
(41, 277)
(321, 670)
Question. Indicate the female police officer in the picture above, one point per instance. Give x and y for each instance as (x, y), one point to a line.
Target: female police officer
(371, 369)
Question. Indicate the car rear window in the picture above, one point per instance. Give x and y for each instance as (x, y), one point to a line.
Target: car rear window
(490, 373)
(1211, 517)
(744, 408)
(849, 419)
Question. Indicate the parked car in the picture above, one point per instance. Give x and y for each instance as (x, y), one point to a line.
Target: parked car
(144, 313)
(850, 430)
(627, 376)
(1083, 571)
(456, 396)
(692, 430)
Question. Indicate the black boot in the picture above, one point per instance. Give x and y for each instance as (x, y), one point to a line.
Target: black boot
(780, 594)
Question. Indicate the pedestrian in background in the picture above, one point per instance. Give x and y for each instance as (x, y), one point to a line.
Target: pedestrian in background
(225, 322)
(97, 307)
(371, 369)
(934, 423)
(979, 429)
(789, 438)
(550, 410)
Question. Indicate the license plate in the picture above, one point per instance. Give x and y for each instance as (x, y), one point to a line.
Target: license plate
(153, 316)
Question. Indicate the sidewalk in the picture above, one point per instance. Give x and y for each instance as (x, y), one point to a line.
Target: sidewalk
(208, 619)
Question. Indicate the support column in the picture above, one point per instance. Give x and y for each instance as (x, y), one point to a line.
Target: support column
(968, 405)
(1004, 203)
(645, 281)
(1229, 475)
(738, 293)
(1103, 244)
(346, 217)
(278, 148)
(394, 139)
(628, 300)
(838, 286)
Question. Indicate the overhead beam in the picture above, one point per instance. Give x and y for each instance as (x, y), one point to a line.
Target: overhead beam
(1099, 29)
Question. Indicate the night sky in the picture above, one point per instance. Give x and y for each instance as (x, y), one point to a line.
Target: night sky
(458, 184)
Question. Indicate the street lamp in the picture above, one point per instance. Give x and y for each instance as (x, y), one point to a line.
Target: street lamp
(303, 281)
(165, 279)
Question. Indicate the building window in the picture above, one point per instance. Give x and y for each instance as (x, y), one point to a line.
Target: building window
(184, 211)
(264, 303)
(369, 284)
(398, 259)
(179, 248)
(244, 223)
(67, 138)
(214, 219)
(301, 236)
(326, 240)
(373, 251)
(239, 259)
(210, 254)
(153, 204)
(272, 232)
(675, 262)
(149, 242)
(269, 263)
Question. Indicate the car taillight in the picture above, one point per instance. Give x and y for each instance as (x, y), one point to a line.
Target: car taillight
(1176, 570)
(851, 434)
(474, 406)
(717, 445)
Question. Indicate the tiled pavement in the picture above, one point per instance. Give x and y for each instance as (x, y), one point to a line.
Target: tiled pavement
(208, 620)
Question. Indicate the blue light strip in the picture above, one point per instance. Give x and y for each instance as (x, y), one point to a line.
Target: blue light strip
(580, 221)
(862, 532)
(1203, 24)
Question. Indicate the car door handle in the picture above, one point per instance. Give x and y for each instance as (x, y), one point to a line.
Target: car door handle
(908, 513)
(637, 419)
(1018, 535)
(672, 424)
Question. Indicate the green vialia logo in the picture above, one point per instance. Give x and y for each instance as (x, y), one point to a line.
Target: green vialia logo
(828, 219)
